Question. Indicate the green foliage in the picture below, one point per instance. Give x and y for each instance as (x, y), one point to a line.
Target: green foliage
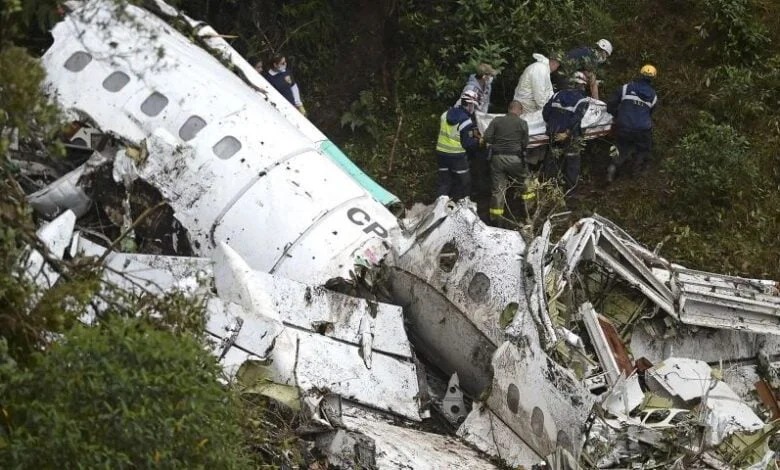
(444, 40)
(745, 95)
(119, 395)
(22, 106)
(734, 32)
(711, 169)
(368, 113)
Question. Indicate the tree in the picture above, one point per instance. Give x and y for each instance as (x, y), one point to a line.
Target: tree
(122, 394)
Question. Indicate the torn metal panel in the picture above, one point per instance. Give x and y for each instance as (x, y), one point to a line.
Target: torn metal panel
(476, 267)
(728, 414)
(600, 240)
(626, 395)
(610, 241)
(402, 447)
(718, 301)
(455, 282)
(452, 405)
(685, 378)
(706, 344)
(690, 380)
(578, 244)
(237, 282)
(312, 308)
(600, 343)
(314, 362)
(485, 431)
(61, 195)
(302, 306)
(232, 167)
(55, 237)
(541, 402)
(661, 300)
(535, 259)
(246, 322)
(619, 351)
(740, 286)
(769, 398)
(148, 274)
(325, 364)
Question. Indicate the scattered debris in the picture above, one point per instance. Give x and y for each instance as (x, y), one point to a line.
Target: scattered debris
(591, 351)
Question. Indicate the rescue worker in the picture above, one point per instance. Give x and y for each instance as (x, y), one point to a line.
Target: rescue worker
(281, 79)
(535, 87)
(507, 138)
(481, 82)
(632, 105)
(456, 137)
(587, 60)
(563, 115)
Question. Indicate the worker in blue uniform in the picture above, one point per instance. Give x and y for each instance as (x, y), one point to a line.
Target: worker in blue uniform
(563, 116)
(632, 106)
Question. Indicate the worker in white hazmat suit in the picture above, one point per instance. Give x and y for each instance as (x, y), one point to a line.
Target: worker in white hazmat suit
(535, 87)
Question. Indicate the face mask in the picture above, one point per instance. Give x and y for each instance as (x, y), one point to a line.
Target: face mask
(488, 80)
(282, 68)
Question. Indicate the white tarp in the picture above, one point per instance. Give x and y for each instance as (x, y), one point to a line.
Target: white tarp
(596, 123)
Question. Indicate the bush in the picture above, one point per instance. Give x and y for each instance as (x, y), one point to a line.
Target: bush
(119, 395)
(709, 169)
(733, 31)
(444, 40)
(745, 96)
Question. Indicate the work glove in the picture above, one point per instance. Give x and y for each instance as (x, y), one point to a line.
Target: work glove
(302, 110)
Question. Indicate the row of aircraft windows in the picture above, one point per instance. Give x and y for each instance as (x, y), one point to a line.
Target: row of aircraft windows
(154, 105)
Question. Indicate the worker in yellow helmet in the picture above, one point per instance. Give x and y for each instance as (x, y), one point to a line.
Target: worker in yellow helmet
(632, 106)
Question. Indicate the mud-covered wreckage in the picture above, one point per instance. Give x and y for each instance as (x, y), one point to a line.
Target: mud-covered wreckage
(590, 352)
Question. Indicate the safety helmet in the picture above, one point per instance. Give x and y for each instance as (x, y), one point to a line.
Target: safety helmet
(469, 97)
(648, 70)
(578, 78)
(605, 46)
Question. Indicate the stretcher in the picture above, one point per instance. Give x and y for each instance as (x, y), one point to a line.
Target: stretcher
(597, 122)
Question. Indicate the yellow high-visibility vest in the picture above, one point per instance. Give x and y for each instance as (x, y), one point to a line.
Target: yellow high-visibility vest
(449, 136)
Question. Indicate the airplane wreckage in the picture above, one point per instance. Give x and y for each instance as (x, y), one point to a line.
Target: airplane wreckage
(586, 352)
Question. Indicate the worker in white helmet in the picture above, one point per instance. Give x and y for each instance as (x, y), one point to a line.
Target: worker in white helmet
(585, 59)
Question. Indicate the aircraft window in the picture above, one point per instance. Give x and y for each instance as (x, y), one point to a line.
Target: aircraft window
(448, 256)
(116, 81)
(656, 416)
(479, 287)
(154, 104)
(512, 398)
(191, 127)
(537, 421)
(78, 61)
(226, 147)
(564, 440)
